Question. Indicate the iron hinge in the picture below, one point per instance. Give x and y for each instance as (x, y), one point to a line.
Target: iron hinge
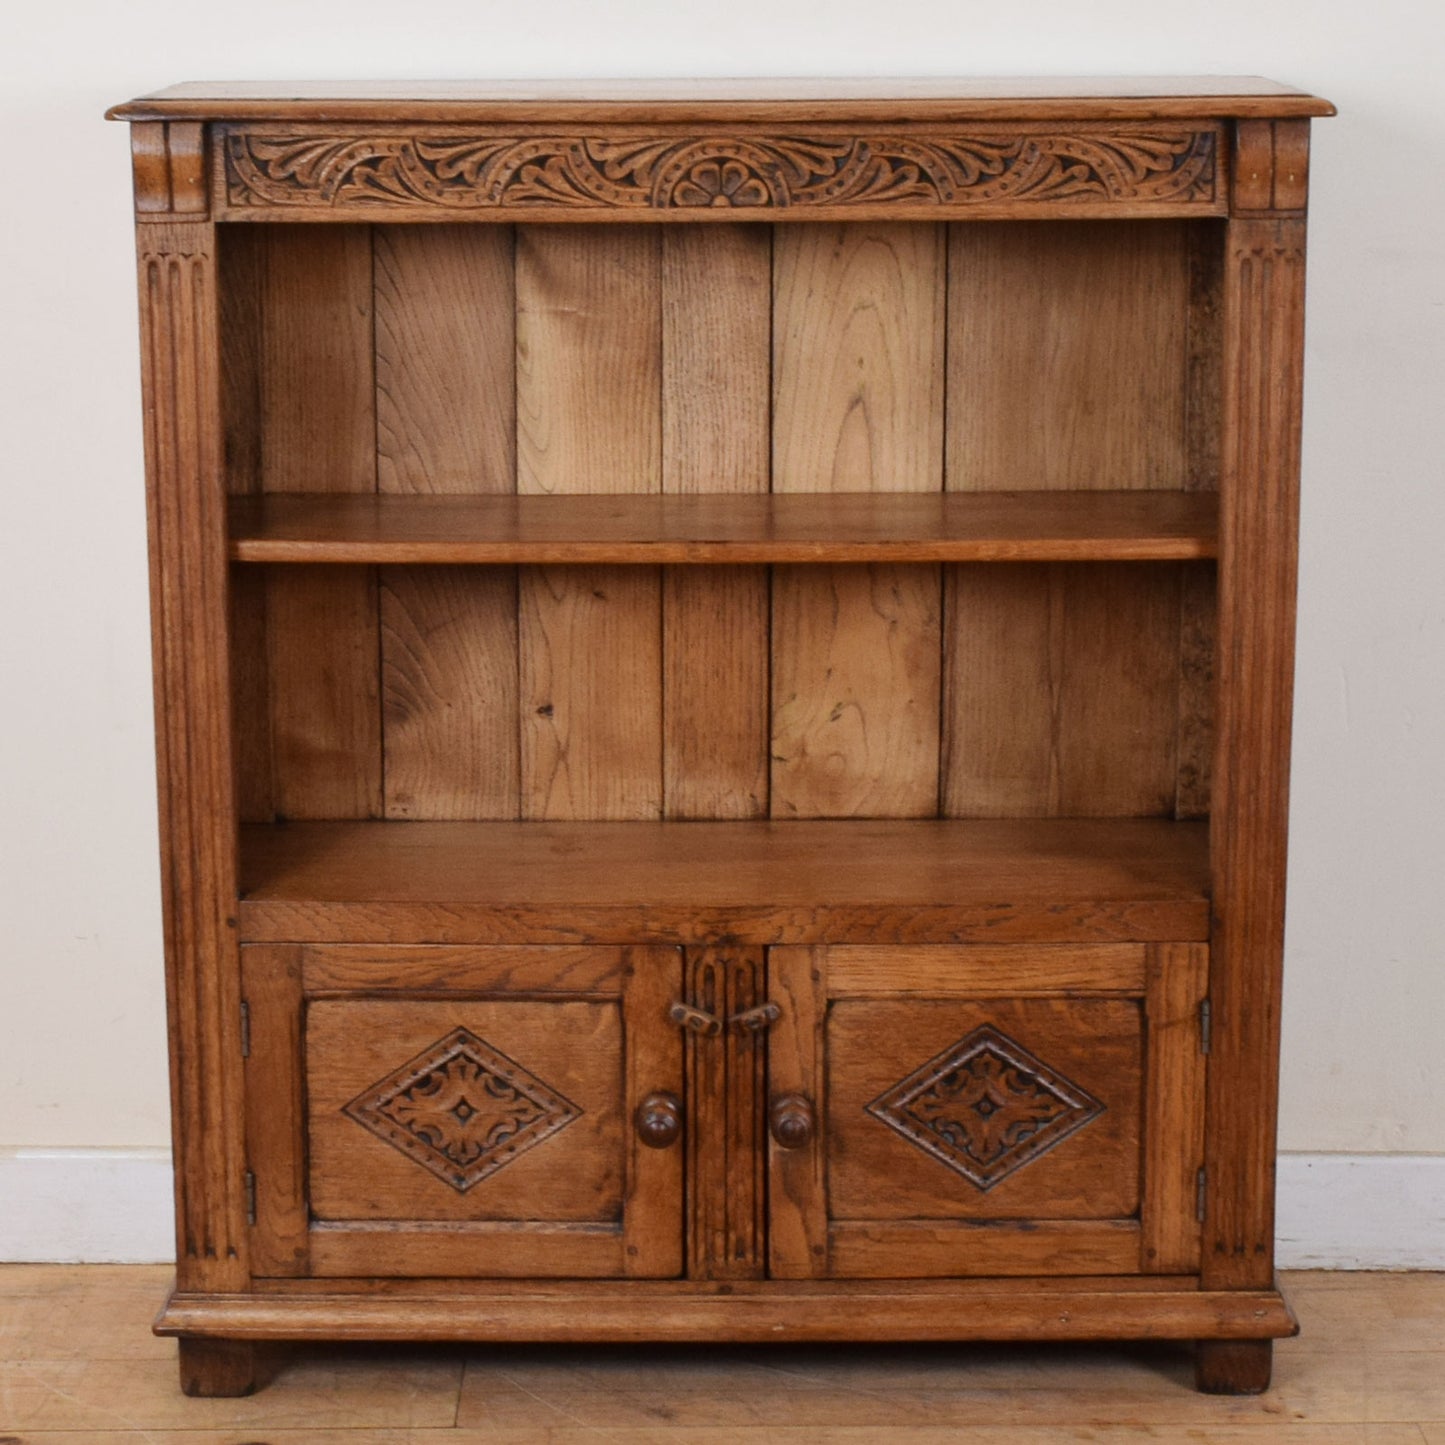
(1206, 1026)
(245, 1029)
(1201, 1190)
(250, 1180)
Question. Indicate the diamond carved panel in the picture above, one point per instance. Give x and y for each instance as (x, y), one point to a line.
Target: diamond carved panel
(462, 1109)
(985, 1107)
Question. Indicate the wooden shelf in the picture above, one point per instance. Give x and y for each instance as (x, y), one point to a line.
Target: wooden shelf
(892, 881)
(778, 527)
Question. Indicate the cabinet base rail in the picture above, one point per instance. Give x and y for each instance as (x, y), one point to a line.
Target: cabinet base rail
(739, 1313)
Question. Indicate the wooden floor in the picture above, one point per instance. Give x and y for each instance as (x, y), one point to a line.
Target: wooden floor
(78, 1364)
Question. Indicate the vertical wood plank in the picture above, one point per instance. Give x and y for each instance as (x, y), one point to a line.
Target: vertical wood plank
(185, 501)
(588, 420)
(446, 350)
(716, 338)
(1060, 691)
(856, 666)
(324, 691)
(1067, 355)
(1198, 599)
(250, 697)
(318, 431)
(1069, 367)
(449, 692)
(1178, 976)
(726, 1134)
(242, 271)
(445, 359)
(652, 1216)
(276, 1109)
(1259, 520)
(319, 435)
(858, 341)
(797, 1178)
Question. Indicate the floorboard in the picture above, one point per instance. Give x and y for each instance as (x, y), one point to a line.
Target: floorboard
(78, 1364)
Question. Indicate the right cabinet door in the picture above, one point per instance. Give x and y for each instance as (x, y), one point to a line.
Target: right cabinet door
(1016, 1110)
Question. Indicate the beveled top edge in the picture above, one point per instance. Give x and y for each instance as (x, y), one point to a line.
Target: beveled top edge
(796, 99)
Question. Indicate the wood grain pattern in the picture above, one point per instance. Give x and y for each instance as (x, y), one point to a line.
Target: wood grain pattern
(591, 668)
(588, 419)
(653, 1200)
(726, 1147)
(715, 442)
(1078, 382)
(271, 983)
(858, 319)
(318, 435)
(1263, 349)
(321, 629)
(1061, 691)
(446, 349)
(790, 98)
(857, 378)
(983, 972)
(911, 881)
(918, 1250)
(184, 509)
(449, 692)
(371, 969)
(710, 528)
(798, 1239)
(1174, 1108)
(318, 404)
(777, 1310)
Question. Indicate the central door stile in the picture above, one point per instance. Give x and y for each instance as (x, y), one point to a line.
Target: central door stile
(725, 1129)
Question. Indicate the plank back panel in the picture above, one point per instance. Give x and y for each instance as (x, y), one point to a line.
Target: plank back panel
(446, 349)
(1078, 359)
(716, 371)
(588, 420)
(858, 345)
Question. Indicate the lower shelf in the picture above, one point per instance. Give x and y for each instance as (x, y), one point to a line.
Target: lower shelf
(887, 1310)
(894, 881)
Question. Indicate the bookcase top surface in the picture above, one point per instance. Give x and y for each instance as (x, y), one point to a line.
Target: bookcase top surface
(736, 100)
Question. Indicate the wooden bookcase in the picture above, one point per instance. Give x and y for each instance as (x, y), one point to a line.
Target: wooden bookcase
(723, 700)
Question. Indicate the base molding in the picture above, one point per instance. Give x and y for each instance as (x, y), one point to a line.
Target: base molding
(706, 1312)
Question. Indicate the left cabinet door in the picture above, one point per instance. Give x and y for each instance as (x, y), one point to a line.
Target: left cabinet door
(431, 1111)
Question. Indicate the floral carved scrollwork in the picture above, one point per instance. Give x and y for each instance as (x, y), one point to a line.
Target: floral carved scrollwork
(376, 171)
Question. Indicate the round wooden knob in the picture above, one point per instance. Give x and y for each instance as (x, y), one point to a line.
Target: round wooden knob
(791, 1121)
(659, 1120)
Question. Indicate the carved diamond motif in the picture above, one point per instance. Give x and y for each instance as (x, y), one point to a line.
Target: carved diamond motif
(985, 1107)
(462, 1109)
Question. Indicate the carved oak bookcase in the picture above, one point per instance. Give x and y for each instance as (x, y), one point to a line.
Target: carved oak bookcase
(723, 699)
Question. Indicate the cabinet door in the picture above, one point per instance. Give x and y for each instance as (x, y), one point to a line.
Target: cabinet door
(418, 1111)
(985, 1111)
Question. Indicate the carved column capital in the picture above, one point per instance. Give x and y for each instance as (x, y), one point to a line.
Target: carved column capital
(169, 161)
(1271, 167)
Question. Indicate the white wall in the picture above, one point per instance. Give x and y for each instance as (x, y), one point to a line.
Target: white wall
(81, 1025)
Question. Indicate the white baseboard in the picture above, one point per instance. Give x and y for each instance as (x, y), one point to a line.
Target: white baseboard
(86, 1206)
(1336, 1211)
(1361, 1211)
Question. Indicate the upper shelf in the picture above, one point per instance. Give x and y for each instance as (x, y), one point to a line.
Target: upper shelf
(776, 527)
(1131, 97)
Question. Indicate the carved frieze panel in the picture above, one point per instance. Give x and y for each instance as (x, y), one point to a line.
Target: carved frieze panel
(462, 1109)
(375, 172)
(985, 1107)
